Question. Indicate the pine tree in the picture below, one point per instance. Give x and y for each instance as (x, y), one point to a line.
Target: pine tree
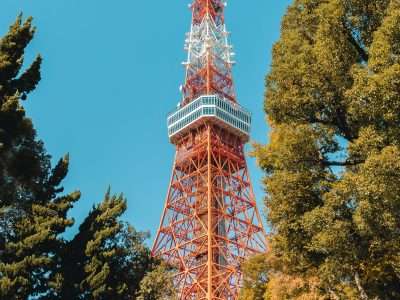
(18, 146)
(32, 214)
(332, 165)
(107, 259)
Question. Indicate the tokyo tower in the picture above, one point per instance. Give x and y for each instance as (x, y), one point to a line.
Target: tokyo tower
(210, 223)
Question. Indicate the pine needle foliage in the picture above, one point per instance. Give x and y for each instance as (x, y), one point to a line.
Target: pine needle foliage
(107, 259)
(33, 214)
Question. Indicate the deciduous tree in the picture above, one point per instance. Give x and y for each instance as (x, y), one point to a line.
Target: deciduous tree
(332, 164)
(157, 285)
(255, 278)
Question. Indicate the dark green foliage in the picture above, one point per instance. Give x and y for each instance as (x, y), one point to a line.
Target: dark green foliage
(107, 258)
(332, 164)
(23, 161)
(32, 214)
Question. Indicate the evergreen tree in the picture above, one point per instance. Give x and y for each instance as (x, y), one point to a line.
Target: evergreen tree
(107, 259)
(23, 161)
(32, 214)
(332, 165)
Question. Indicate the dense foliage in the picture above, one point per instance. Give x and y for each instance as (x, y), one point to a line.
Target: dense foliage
(333, 162)
(157, 285)
(33, 214)
(107, 259)
(255, 279)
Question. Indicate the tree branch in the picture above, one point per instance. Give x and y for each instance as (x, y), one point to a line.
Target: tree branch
(343, 128)
(334, 295)
(360, 50)
(363, 294)
(341, 163)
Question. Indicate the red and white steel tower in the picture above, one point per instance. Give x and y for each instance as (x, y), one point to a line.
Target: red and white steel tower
(210, 222)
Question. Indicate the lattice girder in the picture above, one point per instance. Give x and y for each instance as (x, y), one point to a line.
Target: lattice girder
(209, 172)
(210, 223)
(210, 56)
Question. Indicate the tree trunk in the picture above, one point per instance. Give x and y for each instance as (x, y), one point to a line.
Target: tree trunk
(363, 294)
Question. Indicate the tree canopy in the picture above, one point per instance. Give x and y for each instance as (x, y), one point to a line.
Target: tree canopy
(107, 259)
(33, 213)
(332, 164)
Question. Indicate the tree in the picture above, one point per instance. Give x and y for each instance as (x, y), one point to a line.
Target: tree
(332, 164)
(107, 259)
(285, 287)
(255, 278)
(266, 277)
(157, 285)
(32, 212)
(23, 161)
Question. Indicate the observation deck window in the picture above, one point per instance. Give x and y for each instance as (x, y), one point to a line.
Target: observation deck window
(212, 107)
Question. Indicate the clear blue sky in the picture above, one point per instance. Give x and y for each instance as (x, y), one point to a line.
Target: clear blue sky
(111, 73)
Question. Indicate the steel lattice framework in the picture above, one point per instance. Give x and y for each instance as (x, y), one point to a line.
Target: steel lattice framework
(209, 64)
(210, 223)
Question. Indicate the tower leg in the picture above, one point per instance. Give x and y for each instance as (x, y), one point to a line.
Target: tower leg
(210, 216)
(210, 222)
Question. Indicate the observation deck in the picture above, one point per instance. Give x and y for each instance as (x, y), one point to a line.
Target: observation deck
(211, 108)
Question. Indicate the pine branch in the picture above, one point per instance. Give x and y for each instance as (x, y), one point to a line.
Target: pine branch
(28, 81)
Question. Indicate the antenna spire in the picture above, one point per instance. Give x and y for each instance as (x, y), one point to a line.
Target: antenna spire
(210, 57)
